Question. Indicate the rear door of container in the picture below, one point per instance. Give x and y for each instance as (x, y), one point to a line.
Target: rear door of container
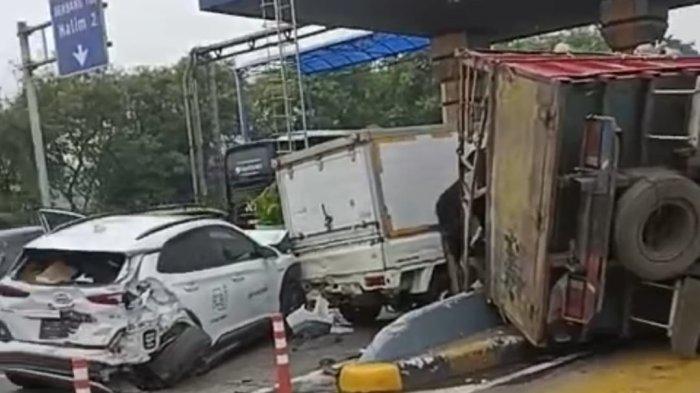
(414, 169)
(329, 199)
(521, 195)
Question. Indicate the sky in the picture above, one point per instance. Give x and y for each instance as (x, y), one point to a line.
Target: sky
(160, 32)
(143, 32)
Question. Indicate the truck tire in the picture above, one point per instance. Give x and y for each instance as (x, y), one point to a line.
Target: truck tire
(657, 226)
(360, 314)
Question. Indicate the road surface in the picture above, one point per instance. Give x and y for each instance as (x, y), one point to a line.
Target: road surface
(643, 368)
(253, 368)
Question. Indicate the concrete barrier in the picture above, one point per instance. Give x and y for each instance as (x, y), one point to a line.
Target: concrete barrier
(434, 369)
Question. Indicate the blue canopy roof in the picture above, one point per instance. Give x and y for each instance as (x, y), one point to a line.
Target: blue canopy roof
(345, 48)
(358, 50)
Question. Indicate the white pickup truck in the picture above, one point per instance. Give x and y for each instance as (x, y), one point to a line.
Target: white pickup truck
(360, 211)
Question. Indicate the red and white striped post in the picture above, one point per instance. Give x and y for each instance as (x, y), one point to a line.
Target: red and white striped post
(81, 377)
(284, 375)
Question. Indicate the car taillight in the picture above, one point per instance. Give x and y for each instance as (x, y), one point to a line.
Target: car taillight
(375, 281)
(8, 291)
(111, 299)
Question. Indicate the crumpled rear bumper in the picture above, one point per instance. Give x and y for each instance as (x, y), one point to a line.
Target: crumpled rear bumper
(53, 363)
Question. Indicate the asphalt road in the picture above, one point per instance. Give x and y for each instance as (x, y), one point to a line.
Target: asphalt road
(253, 368)
(640, 368)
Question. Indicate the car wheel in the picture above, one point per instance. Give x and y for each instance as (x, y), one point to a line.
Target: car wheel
(292, 297)
(25, 381)
(360, 314)
(180, 357)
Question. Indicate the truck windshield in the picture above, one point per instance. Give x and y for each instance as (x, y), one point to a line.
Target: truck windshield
(54, 267)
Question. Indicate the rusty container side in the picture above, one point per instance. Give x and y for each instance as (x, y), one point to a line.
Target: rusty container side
(537, 121)
(521, 187)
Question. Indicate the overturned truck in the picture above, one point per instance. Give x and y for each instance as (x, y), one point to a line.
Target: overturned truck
(588, 168)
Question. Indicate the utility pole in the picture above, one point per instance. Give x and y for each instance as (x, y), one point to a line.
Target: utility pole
(23, 32)
(214, 107)
(242, 113)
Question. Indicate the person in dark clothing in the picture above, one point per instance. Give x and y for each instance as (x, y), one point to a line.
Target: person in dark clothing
(450, 213)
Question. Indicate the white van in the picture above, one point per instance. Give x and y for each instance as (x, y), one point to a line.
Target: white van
(360, 211)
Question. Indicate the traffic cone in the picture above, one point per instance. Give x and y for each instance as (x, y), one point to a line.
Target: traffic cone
(284, 375)
(81, 376)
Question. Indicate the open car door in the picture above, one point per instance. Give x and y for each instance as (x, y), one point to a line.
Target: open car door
(51, 219)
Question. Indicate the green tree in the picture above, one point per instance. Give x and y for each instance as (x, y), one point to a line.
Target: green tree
(113, 141)
(18, 191)
(585, 39)
(384, 93)
(580, 39)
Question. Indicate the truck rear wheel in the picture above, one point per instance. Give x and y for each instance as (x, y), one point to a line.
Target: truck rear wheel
(360, 314)
(657, 226)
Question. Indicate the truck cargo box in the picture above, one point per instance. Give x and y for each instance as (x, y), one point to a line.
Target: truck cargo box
(535, 108)
(366, 203)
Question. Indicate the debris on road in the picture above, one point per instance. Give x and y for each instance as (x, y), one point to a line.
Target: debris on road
(320, 321)
(439, 323)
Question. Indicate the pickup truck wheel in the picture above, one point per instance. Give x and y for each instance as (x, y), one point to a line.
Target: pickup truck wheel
(360, 315)
(657, 226)
(25, 381)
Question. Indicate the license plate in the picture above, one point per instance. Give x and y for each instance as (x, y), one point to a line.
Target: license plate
(67, 323)
(52, 329)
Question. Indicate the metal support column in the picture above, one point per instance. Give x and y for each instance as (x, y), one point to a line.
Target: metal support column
(23, 32)
(242, 113)
(214, 107)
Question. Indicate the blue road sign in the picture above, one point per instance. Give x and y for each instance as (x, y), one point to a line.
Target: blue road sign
(79, 33)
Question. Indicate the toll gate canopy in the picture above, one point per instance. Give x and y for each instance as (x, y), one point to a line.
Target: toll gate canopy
(346, 49)
(482, 20)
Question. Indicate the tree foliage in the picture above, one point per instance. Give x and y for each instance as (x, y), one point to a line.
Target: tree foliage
(586, 39)
(117, 140)
(581, 39)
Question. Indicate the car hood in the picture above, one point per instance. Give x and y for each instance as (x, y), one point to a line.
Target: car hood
(268, 237)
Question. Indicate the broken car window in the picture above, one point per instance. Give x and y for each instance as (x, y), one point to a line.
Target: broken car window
(234, 247)
(53, 267)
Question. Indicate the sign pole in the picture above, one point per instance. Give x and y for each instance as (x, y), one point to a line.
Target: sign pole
(23, 32)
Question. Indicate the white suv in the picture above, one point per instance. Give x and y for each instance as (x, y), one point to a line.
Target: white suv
(150, 298)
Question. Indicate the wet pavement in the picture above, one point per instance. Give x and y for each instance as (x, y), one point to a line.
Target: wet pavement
(639, 368)
(253, 368)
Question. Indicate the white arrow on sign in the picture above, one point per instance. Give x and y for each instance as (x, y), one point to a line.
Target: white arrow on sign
(81, 55)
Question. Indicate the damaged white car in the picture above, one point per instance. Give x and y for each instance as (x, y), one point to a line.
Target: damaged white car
(145, 299)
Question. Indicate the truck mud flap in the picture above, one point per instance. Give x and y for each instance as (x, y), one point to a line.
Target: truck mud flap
(685, 327)
(179, 358)
(432, 326)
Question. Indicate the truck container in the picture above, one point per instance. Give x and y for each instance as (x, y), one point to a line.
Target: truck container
(361, 215)
(589, 168)
(248, 168)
